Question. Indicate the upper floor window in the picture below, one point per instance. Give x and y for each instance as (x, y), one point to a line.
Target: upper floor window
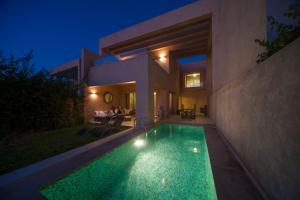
(192, 80)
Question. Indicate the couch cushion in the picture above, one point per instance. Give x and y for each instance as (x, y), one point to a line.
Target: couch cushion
(100, 113)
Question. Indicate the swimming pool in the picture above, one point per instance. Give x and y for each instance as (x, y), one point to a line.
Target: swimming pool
(168, 162)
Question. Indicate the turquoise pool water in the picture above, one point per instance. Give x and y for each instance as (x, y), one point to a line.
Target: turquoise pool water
(168, 162)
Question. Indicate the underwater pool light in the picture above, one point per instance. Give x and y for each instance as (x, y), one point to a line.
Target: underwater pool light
(139, 143)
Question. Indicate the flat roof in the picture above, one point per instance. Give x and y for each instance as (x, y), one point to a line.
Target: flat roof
(65, 66)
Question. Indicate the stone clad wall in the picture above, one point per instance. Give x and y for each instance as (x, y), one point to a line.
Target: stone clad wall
(259, 114)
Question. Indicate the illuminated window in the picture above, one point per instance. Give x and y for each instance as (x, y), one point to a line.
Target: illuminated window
(192, 80)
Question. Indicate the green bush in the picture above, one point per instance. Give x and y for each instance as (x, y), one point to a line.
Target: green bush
(33, 101)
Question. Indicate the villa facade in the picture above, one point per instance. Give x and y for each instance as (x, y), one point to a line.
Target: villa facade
(139, 67)
(140, 64)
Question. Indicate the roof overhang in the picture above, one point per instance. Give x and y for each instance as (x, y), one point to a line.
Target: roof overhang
(183, 32)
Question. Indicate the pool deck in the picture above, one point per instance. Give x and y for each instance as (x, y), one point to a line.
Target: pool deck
(230, 178)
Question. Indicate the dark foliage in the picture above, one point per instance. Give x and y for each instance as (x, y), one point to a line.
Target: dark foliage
(32, 101)
(286, 33)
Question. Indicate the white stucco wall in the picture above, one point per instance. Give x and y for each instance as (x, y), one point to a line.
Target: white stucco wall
(163, 83)
(135, 69)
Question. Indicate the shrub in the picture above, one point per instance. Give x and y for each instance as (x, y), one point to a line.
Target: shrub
(34, 100)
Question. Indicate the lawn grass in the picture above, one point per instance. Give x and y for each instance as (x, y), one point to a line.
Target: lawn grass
(31, 148)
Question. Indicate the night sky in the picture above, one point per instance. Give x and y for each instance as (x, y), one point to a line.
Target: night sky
(56, 30)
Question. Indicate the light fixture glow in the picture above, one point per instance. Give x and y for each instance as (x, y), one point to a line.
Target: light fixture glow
(164, 181)
(162, 57)
(93, 94)
(139, 143)
(194, 75)
(195, 150)
(154, 93)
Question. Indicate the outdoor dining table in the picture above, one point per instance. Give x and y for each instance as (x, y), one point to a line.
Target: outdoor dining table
(187, 114)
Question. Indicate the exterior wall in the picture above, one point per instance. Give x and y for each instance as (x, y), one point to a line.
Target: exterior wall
(87, 60)
(163, 83)
(210, 101)
(254, 106)
(135, 69)
(193, 96)
(235, 26)
(258, 113)
(175, 81)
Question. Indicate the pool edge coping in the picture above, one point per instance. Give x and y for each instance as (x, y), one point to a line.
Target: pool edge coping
(251, 177)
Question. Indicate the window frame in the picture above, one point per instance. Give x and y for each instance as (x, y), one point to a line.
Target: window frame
(192, 74)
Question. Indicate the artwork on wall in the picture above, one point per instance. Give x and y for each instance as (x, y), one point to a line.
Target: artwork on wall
(108, 97)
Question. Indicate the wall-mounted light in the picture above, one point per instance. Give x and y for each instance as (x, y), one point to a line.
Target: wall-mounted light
(154, 93)
(162, 57)
(93, 94)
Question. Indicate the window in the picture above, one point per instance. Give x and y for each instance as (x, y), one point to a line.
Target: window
(192, 80)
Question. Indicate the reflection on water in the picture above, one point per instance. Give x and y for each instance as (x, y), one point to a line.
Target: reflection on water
(165, 163)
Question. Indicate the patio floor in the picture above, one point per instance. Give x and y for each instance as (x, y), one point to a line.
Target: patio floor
(128, 123)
